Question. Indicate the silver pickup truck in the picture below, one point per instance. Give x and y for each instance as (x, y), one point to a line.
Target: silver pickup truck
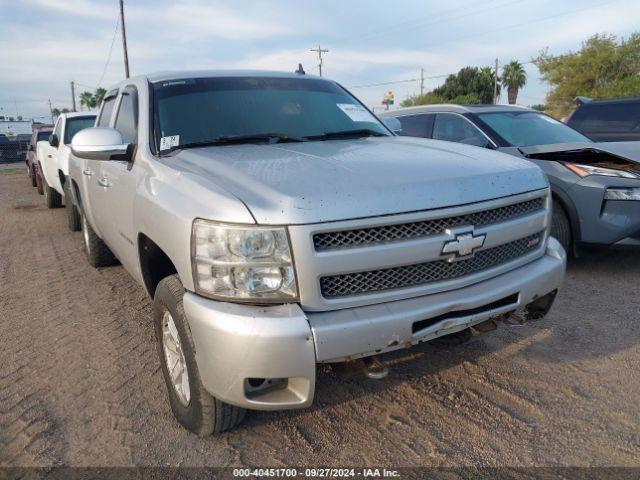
(278, 224)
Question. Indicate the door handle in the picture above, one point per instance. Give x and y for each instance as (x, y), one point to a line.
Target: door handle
(104, 182)
(49, 156)
(87, 172)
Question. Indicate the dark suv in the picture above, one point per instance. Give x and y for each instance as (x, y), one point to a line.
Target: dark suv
(615, 120)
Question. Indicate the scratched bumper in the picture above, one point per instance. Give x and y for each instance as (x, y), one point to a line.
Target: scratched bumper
(236, 342)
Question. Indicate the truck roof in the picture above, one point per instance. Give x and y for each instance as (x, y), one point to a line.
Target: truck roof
(164, 76)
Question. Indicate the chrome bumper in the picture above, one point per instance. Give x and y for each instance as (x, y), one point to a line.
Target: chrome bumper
(236, 342)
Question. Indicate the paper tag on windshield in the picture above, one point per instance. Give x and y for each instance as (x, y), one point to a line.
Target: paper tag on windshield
(357, 113)
(168, 142)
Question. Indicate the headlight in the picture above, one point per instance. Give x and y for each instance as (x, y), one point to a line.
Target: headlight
(622, 194)
(242, 263)
(586, 170)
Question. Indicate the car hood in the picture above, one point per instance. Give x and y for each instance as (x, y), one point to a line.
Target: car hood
(320, 181)
(626, 150)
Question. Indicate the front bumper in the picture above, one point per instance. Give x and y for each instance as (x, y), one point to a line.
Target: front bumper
(237, 342)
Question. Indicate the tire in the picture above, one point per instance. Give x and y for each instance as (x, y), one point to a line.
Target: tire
(39, 184)
(560, 226)
(32, 176)
(98, 254)
(198, 411)
(73, 216)
(51, 197)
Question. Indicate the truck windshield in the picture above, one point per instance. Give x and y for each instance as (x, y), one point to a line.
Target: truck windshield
(525, 129)
(223, 110)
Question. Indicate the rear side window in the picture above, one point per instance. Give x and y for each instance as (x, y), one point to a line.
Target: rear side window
(105, 113)
(75, 124)
(127, 119)
(455, 128)
(616, 117)
(416, 125)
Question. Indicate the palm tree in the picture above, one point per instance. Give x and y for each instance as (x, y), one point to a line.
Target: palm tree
(88, 100)
(514, 78)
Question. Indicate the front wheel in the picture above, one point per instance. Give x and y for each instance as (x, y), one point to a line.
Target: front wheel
(560, 226)
(193, 407)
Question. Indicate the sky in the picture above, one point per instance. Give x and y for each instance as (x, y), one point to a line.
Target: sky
(45, 44)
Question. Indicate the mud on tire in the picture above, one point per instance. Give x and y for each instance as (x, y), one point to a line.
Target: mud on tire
(203, 414)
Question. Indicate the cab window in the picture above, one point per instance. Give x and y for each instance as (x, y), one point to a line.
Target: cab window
(105, 113)
(127, 118)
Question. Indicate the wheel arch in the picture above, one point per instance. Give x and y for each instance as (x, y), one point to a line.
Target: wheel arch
(155, 264)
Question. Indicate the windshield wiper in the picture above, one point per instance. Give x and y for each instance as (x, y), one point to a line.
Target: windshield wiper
(361, 132)
(238, 139)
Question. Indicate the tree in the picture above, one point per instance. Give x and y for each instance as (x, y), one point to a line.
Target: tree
(603, 68)
(99, 96)
(55, 112)
(514, 78)
(87, 99)
(471, 85)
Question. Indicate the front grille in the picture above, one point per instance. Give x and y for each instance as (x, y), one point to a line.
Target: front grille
(407, 231)
(424, 273)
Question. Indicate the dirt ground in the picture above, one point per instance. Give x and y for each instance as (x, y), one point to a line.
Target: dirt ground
(80, 383)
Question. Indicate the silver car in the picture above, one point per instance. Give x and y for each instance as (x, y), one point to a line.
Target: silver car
(595, 186)
(278, 224)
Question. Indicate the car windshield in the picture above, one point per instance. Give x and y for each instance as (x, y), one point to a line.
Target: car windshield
(525, 129)
(75, 124)
(223, 110)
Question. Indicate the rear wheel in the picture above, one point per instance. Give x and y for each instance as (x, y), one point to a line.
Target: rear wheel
(51, 197)
(39, 182)
(195, 409)
(560, 226)
(98, 254)
(73, 216)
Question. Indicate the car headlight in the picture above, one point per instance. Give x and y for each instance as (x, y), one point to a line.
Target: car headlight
(240, 263)
(622, 194)
(586, 170)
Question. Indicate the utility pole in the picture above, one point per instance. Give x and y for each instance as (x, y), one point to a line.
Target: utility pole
(320, 52)
(73, 96)
(495, 84)
(421, 81)
(124, 40)
(51, 111)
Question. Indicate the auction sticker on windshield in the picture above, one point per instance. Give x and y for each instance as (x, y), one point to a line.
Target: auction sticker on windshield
(357, 113)
(168, 142)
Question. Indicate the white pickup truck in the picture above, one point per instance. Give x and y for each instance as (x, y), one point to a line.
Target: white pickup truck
(53, 161)
(278, 224)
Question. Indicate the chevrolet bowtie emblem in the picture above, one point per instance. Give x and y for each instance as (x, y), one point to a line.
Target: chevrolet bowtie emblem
(463, 245)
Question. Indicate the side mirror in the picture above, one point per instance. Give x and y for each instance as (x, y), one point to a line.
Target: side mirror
(100, 143)
(30, 148)
(54, 141)
(393, 124)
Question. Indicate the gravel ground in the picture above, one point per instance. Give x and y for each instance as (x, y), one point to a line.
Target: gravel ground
(80, 383)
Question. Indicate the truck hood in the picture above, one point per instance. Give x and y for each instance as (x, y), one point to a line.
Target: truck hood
(321, 181)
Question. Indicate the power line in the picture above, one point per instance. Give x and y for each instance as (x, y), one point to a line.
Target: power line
(113, 40)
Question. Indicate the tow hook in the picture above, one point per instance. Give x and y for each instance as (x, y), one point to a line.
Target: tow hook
(373, 368)
(517, 318)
